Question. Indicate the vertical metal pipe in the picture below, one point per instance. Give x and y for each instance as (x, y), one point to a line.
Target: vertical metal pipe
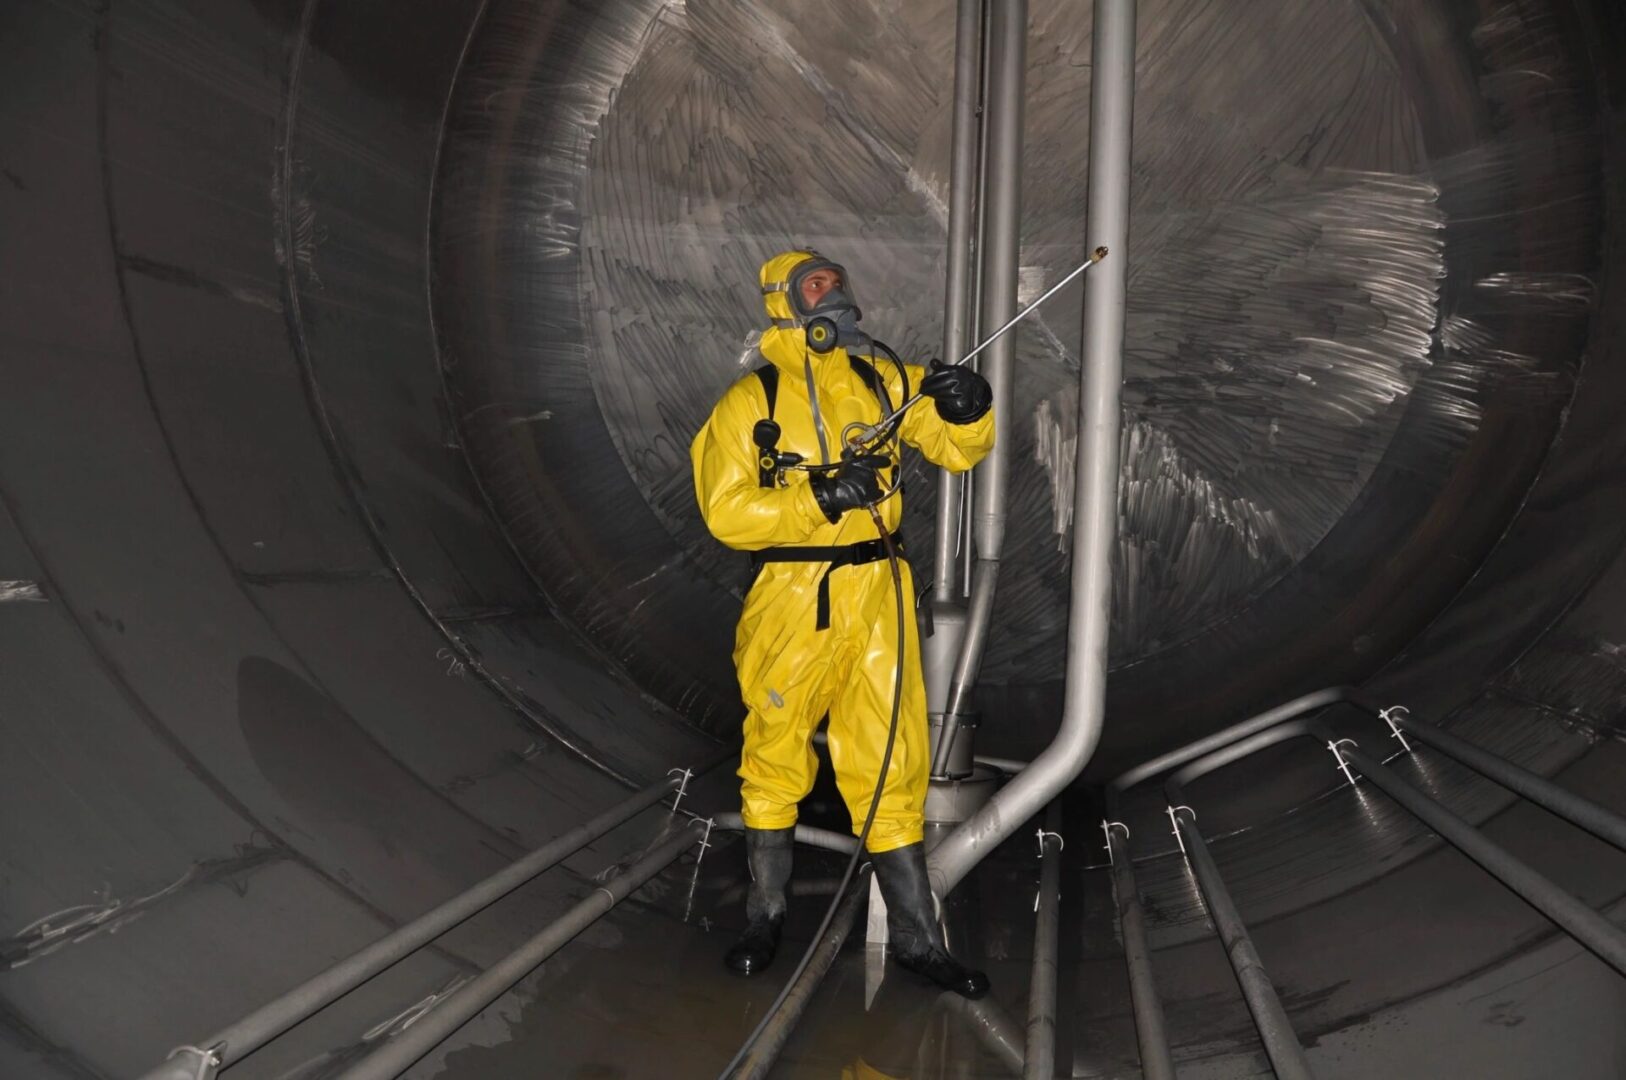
(969, 490)
(1095, 500)
(400, 1053)
(1151, 1031)
(1001, 250)
(1577, 919)
(957, 288)
(1040, 1059)
(1603, 824)
(1275, 1031)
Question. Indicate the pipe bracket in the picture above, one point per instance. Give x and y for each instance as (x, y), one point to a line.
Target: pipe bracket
(1338, 755)
(1388, 717)
(1174, 823)
(208, 1060)
(1106, 832)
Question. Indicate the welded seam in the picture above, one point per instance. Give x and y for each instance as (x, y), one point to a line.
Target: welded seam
(344, 468)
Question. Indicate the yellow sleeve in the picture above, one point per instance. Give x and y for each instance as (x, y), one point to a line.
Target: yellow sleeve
(955, 447)
(737, 509)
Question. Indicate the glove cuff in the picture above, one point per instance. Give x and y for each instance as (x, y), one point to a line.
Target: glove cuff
(974, 411)
(822, 496)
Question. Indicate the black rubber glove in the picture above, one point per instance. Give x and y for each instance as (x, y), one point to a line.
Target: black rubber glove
(857, 483)
(962, 396)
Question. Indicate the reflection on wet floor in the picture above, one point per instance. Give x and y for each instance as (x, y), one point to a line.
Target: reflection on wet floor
(645, 994)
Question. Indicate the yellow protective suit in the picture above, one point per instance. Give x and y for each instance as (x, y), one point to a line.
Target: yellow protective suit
(791, 674)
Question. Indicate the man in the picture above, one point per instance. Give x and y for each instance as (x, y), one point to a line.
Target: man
(818, 632)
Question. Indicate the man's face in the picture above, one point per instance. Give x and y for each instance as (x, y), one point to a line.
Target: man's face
(815, 285)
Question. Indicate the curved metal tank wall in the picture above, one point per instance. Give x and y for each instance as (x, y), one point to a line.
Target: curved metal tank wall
(346, 550)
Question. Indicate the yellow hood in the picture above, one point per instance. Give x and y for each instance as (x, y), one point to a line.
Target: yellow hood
(775, 280)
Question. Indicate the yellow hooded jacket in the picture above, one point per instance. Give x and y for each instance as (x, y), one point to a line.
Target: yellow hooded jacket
(790, 672)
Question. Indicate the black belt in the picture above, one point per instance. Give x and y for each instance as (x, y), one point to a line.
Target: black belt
(865, 551)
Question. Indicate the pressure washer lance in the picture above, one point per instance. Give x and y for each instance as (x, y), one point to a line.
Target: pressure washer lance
(857, 436)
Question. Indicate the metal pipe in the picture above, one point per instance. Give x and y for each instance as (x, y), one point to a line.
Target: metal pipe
(1225, 755)
(272, 1019)
(1001, 249)
(1003, 764)
(811, 835)
(1275, 1031)
(1151, 1030)
(400, 1053)
(1602, 823)
(1320, 699)
(765, 1050)
(1000, 257)
(979, 617)
(957, 293)
(992, 1026)
(1095, 501)
(1577, 919)
(1040, 1059)
(968, 546)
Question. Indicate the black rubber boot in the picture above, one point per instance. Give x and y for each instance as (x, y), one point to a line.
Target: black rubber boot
(768, 856)
(911, 921)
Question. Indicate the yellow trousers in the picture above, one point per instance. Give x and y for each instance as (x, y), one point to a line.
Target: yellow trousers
(791, 674)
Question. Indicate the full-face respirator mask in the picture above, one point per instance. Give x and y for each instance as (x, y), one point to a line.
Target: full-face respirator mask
(833, 321)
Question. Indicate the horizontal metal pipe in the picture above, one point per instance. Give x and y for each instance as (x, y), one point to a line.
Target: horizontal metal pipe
(272, 1019)
(401, 1052)
(811, 835)
(1275, 1030)
(1320, 699)
(1218, 759)
(1602, 823)
(1151, 1030)
(1577, 919)
(765, 1051)
(1003, 764)
(1040, 1060)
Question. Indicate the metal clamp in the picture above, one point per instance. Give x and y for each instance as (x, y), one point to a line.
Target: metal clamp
(1339, 756)
(1388, 717)
(694, 879)
(683, 785)
(1106, 831)
(1044, 834)
(1174, 823)
(208, 1060)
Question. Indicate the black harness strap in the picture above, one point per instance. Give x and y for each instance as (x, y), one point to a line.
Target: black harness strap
(769, 377)
(839, 555)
